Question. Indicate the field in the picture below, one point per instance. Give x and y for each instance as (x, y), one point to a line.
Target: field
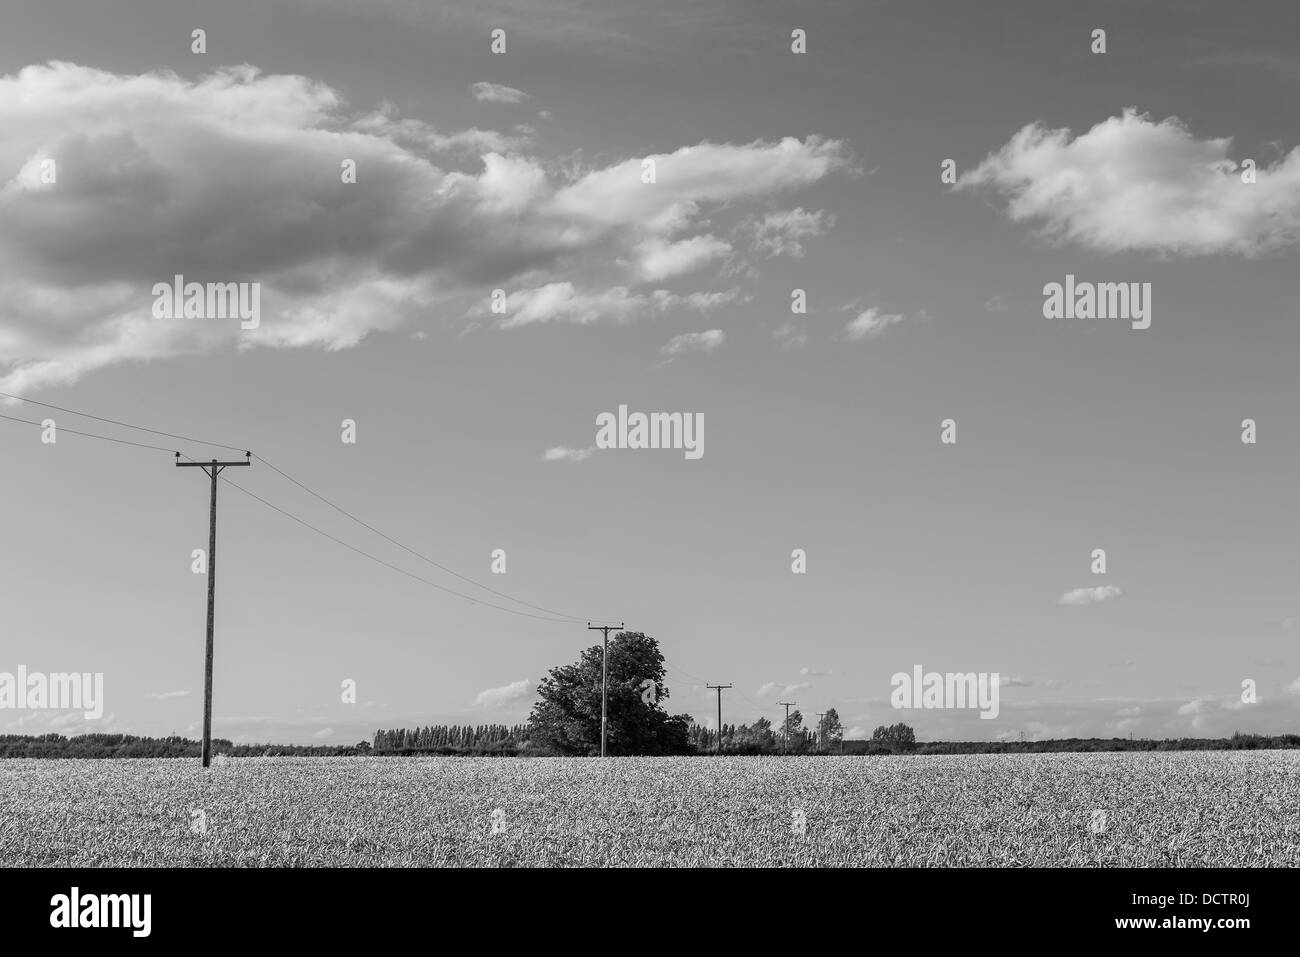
(1140, 809)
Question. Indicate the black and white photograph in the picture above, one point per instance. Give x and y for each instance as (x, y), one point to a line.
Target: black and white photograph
(594, 435)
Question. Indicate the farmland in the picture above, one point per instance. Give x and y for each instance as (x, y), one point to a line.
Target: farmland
(1098, 809)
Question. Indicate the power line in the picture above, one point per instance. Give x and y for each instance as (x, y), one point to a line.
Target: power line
(89, 435)
(424, 558)
(125, 425)
(396, 568)
(282, 473)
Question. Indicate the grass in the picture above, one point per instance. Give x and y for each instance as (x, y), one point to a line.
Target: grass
(1159, 809)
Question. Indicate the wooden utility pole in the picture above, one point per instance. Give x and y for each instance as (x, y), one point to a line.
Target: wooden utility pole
(786, 726)
(213, 469)
(604, 676)
(719, 687)
(821, 732)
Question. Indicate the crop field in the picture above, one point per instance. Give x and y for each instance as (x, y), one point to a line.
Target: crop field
(1139, 809)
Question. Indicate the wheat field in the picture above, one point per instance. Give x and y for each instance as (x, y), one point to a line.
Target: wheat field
(1184, 809)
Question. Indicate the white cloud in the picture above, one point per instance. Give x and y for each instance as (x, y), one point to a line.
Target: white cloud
(781, 690)
(705, 341)
(782, 232)
(323, 733)
(235, 176)
(1083, 596)
(1130, 183)
(497, 93)
(661, 260)
(1294, 687)
(871, 323)
(813, 672)
(563, 302)
(562, 453)
(791, 335)
(506, 695)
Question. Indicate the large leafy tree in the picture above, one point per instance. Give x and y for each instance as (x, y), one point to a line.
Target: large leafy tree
(566, 719)
(896, 737)
(829, 729)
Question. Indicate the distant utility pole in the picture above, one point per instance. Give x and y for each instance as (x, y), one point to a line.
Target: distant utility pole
(788, 706)
(604, 676)
(213, 469)
(719, 687)
(821, 732)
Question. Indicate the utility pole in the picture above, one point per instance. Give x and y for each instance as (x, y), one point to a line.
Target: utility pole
(213, 469)
(821, 732)
(786, 726)
(719, 687)
(604, 676)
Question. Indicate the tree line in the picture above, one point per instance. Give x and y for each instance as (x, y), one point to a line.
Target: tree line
(453, 739)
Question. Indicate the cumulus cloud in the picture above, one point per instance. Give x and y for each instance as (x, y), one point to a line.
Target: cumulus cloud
(562, 453)
(871, 323)
(497, 93)
(509, 694)
(1131, 183)
(660, 260)
(236, 176)
(783, 232)
(323, 733)
(1084, 596)
(705, 341)
(781, 690)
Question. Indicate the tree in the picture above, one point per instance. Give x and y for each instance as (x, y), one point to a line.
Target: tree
(829, 729)
(566, 719)
(897, 737)
(793, 731)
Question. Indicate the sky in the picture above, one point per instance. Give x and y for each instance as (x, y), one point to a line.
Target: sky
(524, 172)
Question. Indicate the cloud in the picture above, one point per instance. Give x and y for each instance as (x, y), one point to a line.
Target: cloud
(1131, 184)
(497, 93)
(705, 341)
(509, 694)
(813, 672)
(1083, 596)
(871, 323)
(561, 453)
(660, 260)
(323, 733)
(1294, 687)
(857, 732)
(781, 690)
(236, 176)
(168, 694)
(564, 302)
(791, 335)
(1007, 681)
(783, 232)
